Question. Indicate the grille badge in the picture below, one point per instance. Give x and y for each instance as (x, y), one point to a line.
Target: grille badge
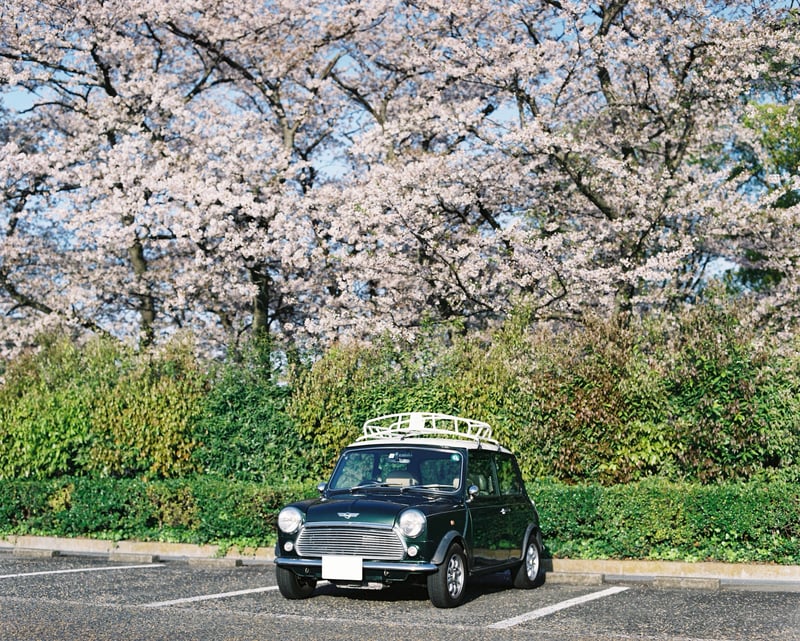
(348, 515)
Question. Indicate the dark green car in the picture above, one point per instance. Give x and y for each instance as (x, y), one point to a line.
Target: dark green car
(420, 497)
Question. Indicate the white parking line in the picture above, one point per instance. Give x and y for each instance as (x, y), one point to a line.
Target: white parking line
(208, 597)
(75, 570)
(543, 612)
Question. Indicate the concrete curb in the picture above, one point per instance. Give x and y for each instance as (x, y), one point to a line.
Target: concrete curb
(722, 571)
(661, 574)
(133, 550)
(675, 574)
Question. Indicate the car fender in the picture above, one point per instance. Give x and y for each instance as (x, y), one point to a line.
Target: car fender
(532, 531)
(444, 544)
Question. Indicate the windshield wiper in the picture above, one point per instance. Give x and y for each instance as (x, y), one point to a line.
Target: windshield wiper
(377, 485)
(432, 486)
(364, 486)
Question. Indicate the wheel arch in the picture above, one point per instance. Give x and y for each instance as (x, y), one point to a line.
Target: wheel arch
(533, 530)
(444, 544)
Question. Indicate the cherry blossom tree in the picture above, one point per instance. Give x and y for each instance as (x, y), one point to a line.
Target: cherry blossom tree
(597, 128)
(325, 169)
(171, 145)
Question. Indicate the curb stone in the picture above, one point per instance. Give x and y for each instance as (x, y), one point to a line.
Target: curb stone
(34, 553)
(118, 557)
(134, 550)
(676, 574)
(681, 582)
(660, 574)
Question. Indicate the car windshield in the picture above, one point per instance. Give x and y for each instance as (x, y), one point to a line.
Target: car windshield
(400, 467)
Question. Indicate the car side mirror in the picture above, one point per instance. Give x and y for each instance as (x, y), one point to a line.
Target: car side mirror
(322, 487)
(473, 490)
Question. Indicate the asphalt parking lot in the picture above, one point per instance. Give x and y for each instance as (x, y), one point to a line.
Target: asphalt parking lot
(72, 598)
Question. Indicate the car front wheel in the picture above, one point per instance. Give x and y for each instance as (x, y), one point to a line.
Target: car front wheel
(446, 585)
(529, 573)
(292, 586)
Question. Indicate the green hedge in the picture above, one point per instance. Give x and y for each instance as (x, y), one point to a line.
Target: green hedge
(243, 432)
(198, 510)
(695, 396)
(100, 410)
(656, 519)
(732, 522)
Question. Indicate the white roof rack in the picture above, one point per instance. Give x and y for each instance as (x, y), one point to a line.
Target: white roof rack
(426, 424)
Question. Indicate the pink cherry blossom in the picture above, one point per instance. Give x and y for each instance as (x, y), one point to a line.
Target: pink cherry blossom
(328, 170)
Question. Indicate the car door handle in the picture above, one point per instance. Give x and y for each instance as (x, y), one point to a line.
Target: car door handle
(505, 510)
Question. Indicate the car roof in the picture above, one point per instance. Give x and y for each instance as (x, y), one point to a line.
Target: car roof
(431, 442)
(428, 429)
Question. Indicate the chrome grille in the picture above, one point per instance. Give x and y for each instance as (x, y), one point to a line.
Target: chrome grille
(370, 543)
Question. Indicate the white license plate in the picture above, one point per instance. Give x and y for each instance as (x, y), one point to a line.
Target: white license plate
(342, 568)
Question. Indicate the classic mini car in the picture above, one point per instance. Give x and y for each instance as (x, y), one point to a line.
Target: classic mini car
(422, 497)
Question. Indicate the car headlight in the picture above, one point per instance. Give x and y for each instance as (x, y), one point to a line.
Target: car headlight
(412, 522)
(289, 520)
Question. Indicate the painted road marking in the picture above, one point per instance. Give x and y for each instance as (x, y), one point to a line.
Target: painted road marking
(75, 570)
(543, 612)
(221, 595)
(208, 597)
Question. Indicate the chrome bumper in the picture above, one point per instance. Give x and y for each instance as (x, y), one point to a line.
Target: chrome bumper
(392, 566)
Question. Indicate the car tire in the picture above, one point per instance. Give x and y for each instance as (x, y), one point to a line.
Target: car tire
(529, 574)
(447, 586)
(292, 586)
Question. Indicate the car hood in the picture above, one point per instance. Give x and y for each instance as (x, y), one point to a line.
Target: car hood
(358, 510)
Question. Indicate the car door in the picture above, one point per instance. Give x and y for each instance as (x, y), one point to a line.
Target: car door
(485, 511)
(514, 506)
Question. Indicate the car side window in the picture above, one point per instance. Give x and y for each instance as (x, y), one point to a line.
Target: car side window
(508, 476)
(480, 473)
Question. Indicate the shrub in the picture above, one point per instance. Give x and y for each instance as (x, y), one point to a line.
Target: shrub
(45, 411)
(732, 398)
(689, 396)
(658, 519)
(651, 519)
(23, 504)
(333, 397)
(243, 431)
(190, 510)
(143, 414)
(102, 508)
(100, 409)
